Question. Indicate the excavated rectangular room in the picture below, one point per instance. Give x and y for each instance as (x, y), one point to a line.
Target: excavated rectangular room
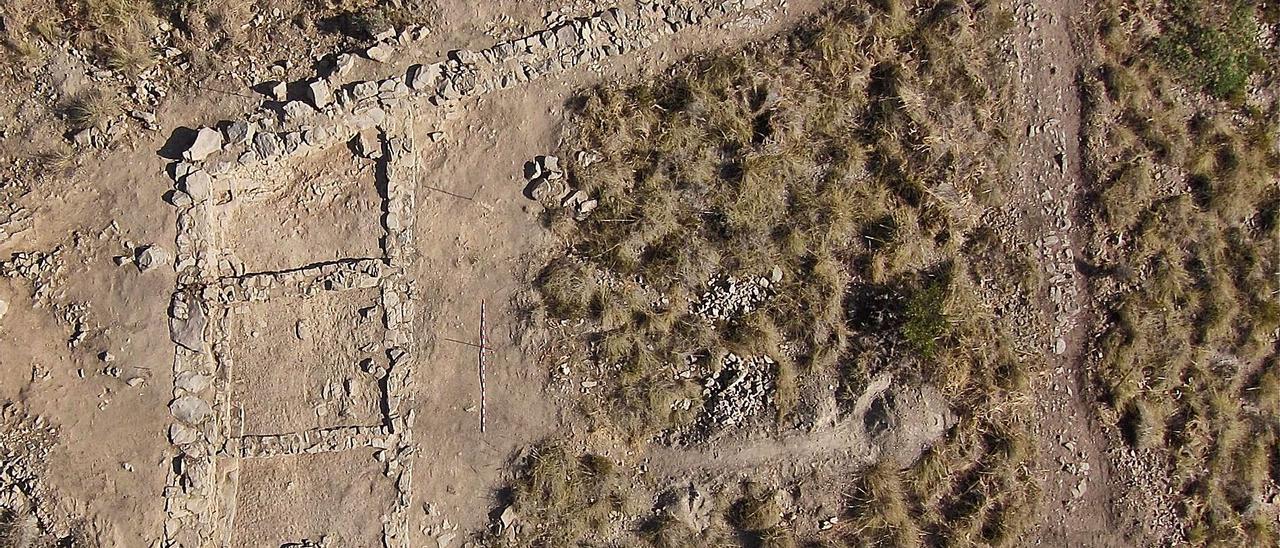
(322, 207)
(283, 500)
(294, 362)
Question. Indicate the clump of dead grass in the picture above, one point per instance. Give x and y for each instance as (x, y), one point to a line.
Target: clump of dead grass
(17, 530)
(91, 108)
(118, 31)
(564, 498)
(59, 156)
(365, 19)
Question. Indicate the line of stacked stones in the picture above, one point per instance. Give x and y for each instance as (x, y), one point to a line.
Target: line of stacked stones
(398, 306)
(323, 440)
(329, 112)
(192, 512)
(334, 276)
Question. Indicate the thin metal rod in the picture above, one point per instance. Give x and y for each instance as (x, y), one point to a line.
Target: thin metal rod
(441, 190)
(471, 344)
(483, 347)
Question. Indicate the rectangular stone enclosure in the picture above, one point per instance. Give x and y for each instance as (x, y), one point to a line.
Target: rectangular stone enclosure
(291, 498)
(295, 363)
(319, 208)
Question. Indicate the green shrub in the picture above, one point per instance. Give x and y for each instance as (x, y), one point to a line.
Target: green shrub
(926, 320)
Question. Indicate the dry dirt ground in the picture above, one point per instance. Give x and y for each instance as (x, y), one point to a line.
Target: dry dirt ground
(1072, 461)
(71, 352)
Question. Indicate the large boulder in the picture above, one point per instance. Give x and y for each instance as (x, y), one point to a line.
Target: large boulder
(208, 141)
(297, 111)
(190, 409)
(380, 53)
(186, 323)
(152, 256)
(181, 434)
(319, 94)
(266, 146)
(198, 184)
(368, 144)
(239, 132)
(192, 382)
(425, 77)
(342, 65)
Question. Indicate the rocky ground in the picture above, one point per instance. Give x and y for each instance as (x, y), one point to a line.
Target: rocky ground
(282, 304)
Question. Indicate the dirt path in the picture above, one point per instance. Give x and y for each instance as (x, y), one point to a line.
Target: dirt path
(1073, 470)
(844, 441)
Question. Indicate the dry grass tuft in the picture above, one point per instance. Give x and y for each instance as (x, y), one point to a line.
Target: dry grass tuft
(564, 499)
(118, 31)
(60, 157)
(91, 108)
(18, 531)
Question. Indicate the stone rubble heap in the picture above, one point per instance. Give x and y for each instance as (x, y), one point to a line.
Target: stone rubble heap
(38, 268)
(24, 452)
(44, 271)
(1154, 493)
(549, 187)
(740, 390)
(729, 298)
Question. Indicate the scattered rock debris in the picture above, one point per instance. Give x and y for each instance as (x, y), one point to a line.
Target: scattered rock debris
(548, 185)
(730, 297)
(737, 393)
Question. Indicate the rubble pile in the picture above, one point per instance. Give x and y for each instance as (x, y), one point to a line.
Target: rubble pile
(739, 391)
(729, 297)
(549, 187)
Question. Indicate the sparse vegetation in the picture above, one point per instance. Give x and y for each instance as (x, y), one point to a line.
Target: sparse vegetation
(22, 530)
(18, 531)
(117, 30)
(1212, 43)
(760, 515)
(1189, 251)
(58, 157)
(819, 154)
(365, 19)
(563, 498)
